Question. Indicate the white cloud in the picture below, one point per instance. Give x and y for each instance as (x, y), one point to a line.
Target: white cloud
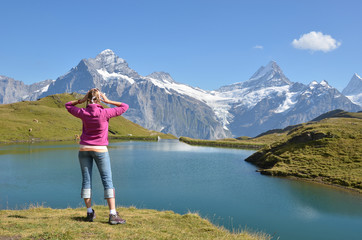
(316, 41)
(258, 47)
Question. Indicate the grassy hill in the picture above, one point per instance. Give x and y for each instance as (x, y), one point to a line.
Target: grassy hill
(46, 223)
(48, 120)
(328, 151)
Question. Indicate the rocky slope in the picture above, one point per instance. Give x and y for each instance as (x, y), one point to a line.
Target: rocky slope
(12, 90)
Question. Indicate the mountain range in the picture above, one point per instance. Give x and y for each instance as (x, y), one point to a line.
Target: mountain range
(266, 101)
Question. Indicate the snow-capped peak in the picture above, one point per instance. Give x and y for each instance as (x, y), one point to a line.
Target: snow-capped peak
(354, 86)
(269, 76)
(269, 69)
(315, 84)
(107, 52)
(325, 84)
(162, 76)
(272, 66)
(107, 62)
(110, 66)
(108, 56)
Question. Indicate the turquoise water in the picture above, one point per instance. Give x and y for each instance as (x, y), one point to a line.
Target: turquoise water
(169, 175)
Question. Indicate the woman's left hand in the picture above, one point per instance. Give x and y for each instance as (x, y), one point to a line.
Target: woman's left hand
(84, 99)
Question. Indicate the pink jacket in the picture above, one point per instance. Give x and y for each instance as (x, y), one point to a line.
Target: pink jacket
(95, 122)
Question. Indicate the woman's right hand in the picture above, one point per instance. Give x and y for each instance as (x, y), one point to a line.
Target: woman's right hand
(104, 98)
(107, 101)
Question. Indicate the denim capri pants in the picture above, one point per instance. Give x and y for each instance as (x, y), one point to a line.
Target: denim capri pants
(104, 166)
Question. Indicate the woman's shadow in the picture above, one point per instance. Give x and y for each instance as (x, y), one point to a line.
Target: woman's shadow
(84, 219)
(80, 219)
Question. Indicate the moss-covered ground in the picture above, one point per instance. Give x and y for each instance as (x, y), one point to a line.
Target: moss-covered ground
(328, 151)
(47, 223)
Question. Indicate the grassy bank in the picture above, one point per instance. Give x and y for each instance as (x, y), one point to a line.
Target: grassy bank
(134, 138)
(48, 120)
(328, 151)
(154, 137)
(46, 223)
(229, 143)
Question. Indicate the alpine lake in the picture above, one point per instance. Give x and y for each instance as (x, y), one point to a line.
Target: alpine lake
(170, 175)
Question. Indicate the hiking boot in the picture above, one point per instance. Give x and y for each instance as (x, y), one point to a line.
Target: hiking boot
(116, 219)
(91, 216)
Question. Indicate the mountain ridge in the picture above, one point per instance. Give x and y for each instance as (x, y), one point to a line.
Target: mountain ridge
(266, 101)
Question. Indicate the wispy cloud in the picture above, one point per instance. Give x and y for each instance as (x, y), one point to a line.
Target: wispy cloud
(258, 47)
(316, 41)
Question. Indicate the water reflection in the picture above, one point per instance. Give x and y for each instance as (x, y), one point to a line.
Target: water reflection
(29, 148)
(168, 175)
(314, 198)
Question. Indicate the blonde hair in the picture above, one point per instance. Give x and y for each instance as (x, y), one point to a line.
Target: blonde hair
(93, 96)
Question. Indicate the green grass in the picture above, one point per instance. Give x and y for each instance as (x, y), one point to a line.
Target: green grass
(333, 158)
(48, 120)
(240, 142)
(47, 223)
(228, 143)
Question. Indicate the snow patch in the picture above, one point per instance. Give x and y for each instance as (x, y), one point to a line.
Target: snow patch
(158, 84)
(356, 99)
(217, 102)
(44, 89)
(249, 97)
(289, 102)
(222, 102)
(107, 76)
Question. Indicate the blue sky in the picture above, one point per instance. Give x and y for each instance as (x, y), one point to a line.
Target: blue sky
(206, 44)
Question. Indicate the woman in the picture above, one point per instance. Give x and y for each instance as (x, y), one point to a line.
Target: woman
(93, 146)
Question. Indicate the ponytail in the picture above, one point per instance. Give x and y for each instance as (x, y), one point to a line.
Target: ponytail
(93, 96)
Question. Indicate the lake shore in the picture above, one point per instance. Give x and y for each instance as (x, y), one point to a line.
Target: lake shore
(111, 138)
(227, 143)
(296, 173)
(322, 183)
(47, 223)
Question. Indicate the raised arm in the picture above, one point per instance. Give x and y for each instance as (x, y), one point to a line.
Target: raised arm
(75, 102)
(118, 110)
(107, 101)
